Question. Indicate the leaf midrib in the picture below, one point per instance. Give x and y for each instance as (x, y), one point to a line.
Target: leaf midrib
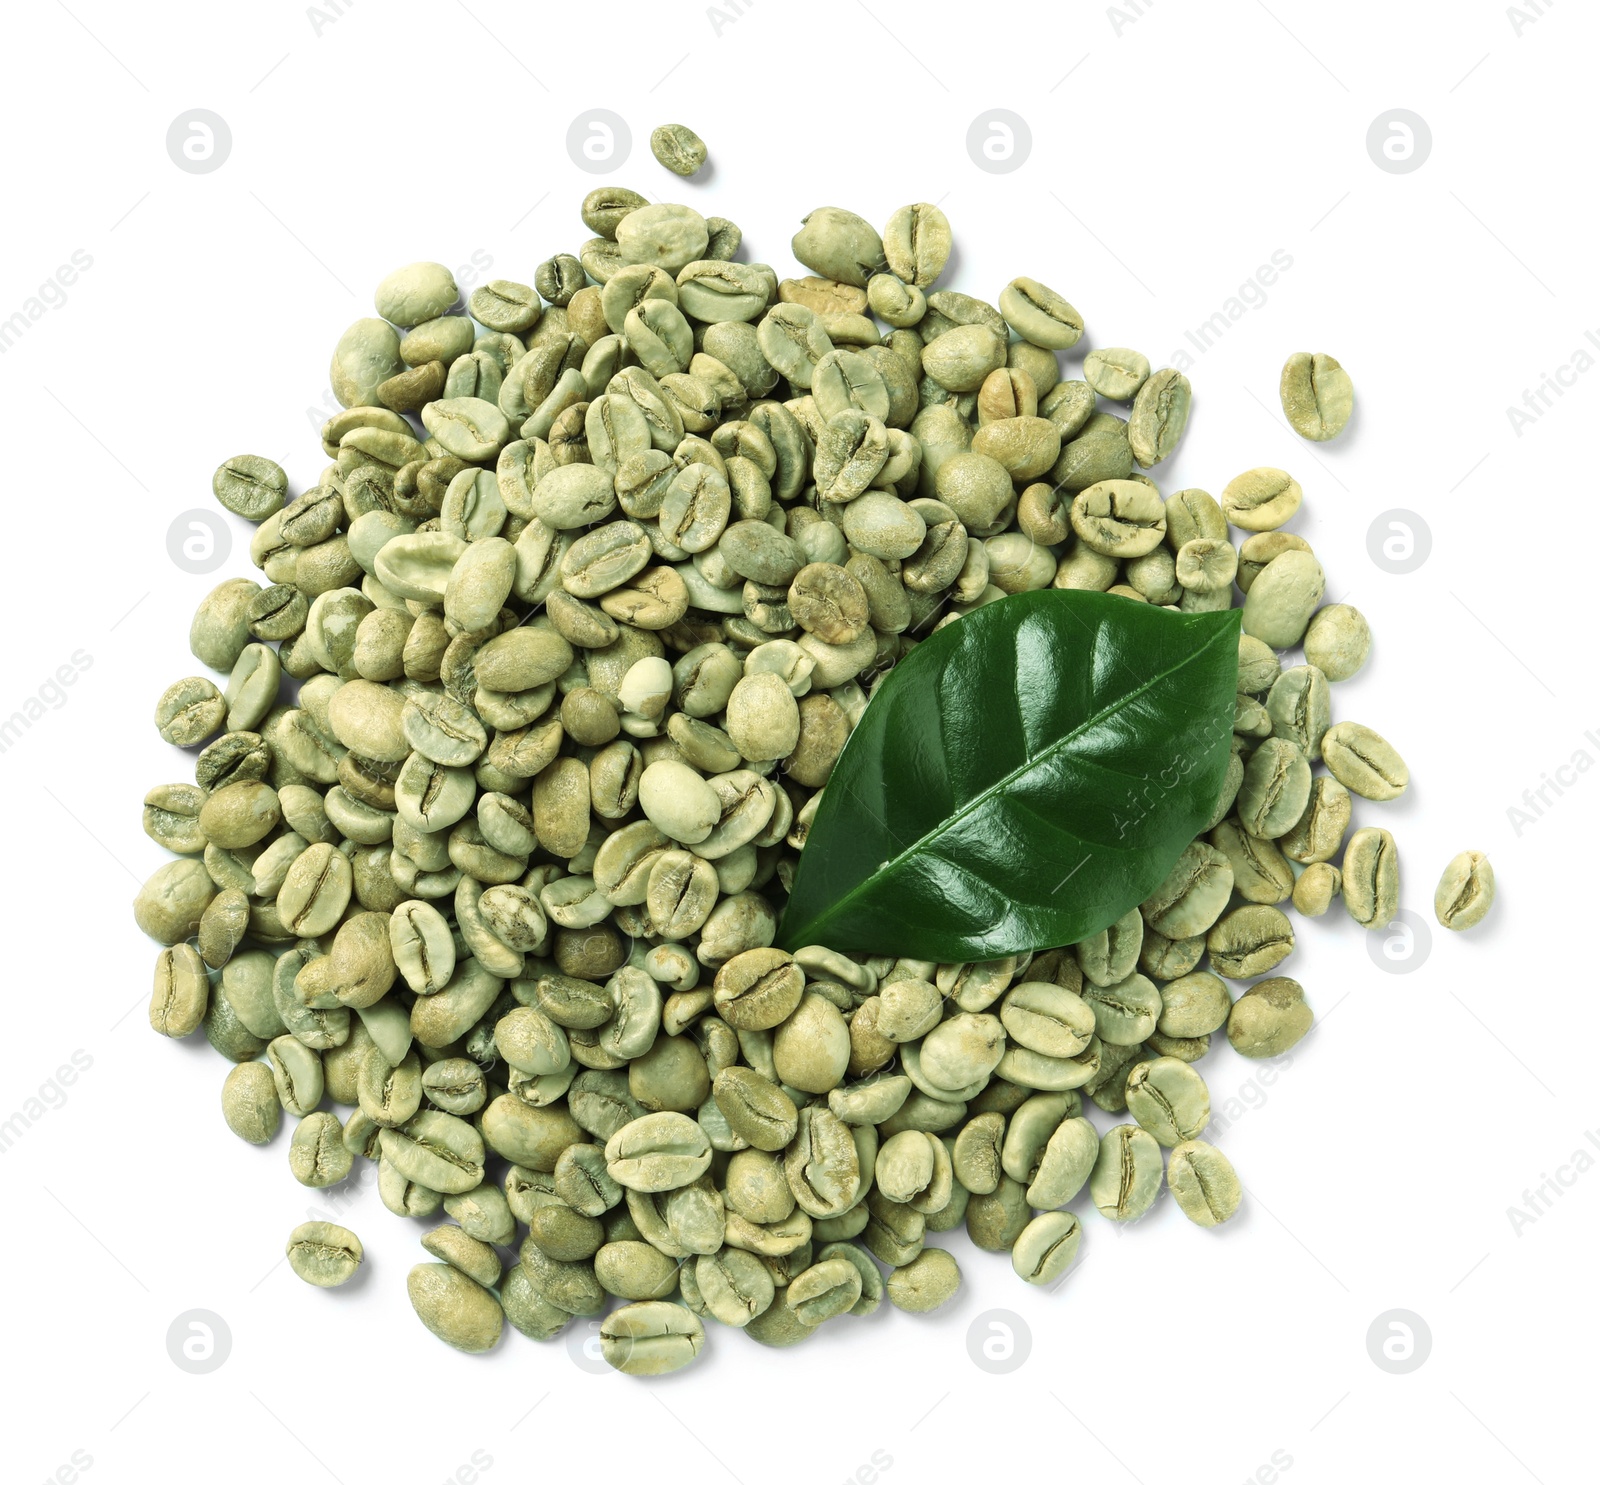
(979, 799)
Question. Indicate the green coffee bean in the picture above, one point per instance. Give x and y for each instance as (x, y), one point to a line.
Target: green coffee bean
(250, 1103)
(930, 1281)
(1203, 1183)
(1127, 1173)
(1125, 1013)
(1194, 894)
(678, 148)
(1275, 790)
(457, 1309)
(650, 1338)
(1168, 1098)
(317, 1152)
(1159, 417)
(1338, 641)
(1067, 1160)
(1281, 601)
(1465, 892)
(1316, 888)
(1317, 395)
(1249, 941)
(1193, 1005)
(1269, 1018)
(1319, 832)
(1261, 499)
(1364, 762)
(1047, 1247)
(1369, 877)
(324, 1254)
(1040, 315)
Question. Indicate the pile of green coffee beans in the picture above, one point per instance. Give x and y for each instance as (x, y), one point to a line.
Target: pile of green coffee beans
(520, 741)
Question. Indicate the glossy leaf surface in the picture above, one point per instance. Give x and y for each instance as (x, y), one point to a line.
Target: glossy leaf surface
(1021, 779)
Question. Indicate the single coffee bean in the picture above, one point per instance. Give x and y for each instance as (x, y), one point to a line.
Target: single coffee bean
(317, 1152)
(931, 1280)
(756, 1108)
(1193, 895)
(250, 486)
(1319, 832)
(1168, 1098)
(169, 906)
(181, 990)
(1047, 1247)
(678, 148)
(1261, 499)
(1317, 395)
(1364, 762)
(1283, 598)
(189, 711)
(1269, 1018)
(436, 1150)
(250, 1103)
(457, 1309)
(1338, 641)
(650, 1338)
(1127, 1173)
(1202, 1181)
(1116, 373)
(1369, 877)
(1040, 315)
(1066, 1162)
(1119, 518)
(1275, 790)
(917, 243)
(1249, 941)
(477, 1260)
(1465, 892)
(1159, 416)
(1194, 1005)
(658, 1152)
(324, 1254)
(1316, 888)
(456, 1085)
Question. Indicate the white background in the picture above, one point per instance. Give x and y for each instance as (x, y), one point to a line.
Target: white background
(1174, 149)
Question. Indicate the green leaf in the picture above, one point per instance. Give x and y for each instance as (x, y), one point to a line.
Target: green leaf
(1020, 780)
